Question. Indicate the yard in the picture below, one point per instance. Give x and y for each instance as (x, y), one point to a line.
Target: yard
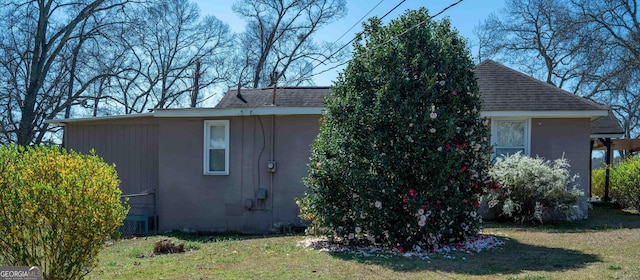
(607, 246)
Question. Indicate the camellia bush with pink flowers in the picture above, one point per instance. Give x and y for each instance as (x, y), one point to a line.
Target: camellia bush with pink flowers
(402, 154)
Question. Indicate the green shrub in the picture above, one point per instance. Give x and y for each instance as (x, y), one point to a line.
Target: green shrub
(597, 184)
(56, 208)
(402, 153)
(533, 189)
(626, 179)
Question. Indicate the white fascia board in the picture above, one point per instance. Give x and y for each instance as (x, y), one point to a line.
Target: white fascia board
(62, 122)
(232, 112)
(546, 114)
(202, 112)
(613, 136)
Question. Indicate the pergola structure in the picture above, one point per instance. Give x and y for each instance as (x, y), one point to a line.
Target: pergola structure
(605, 135)
(631, 145)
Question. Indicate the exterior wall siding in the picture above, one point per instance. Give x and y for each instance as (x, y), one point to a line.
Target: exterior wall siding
(555, 138)
(192, 200)
(130, 144)
(166, 154)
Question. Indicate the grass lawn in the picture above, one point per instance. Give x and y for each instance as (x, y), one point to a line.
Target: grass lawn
(607, 246)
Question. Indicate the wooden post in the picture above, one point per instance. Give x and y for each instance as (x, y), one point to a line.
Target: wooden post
(274, 82)
(196, 85)
(607, 160)
(273, 97)
(590, 167)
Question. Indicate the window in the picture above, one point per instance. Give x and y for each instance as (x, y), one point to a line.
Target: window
(216, 147)
(509, 137)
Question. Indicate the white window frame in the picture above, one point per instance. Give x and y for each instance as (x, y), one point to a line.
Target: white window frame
(206, 145)
(527, 133)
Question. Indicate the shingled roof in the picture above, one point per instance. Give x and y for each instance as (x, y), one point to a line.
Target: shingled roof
(608, 125)
(505, 89)
(501, 89)
(285, 97)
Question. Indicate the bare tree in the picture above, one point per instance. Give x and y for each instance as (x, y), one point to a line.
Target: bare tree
(587, 47)
(278, 38)
(39, 33)
(168, 40)
(537, 35)
(614, 29)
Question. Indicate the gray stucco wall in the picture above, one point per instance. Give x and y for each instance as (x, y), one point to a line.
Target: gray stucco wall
(132, 144)
(167, 154)
(553, 138)
(189, 199)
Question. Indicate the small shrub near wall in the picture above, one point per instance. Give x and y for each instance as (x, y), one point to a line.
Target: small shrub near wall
(56, 209)
(533, 189)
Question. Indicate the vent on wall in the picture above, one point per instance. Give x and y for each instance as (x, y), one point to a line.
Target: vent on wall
(137, 225)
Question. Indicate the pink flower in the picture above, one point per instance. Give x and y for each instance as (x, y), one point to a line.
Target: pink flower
(454, 92)
(464, 168)
(405, 200)
(448, 147)
(476, 204)
(412, 193)
(400, 249)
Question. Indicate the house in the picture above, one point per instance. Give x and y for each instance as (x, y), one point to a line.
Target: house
(540, 119)
(238, 166)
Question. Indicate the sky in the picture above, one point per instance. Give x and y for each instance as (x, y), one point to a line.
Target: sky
(464, 17)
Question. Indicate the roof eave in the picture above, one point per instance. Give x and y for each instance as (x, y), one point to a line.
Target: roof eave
(62, 122)
(231, 112)
(593, 114)
(607, 135)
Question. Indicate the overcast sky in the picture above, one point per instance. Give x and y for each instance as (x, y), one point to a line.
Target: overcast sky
(464, 17)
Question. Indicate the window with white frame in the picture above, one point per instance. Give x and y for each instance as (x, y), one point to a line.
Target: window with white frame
(509, 137)
(216, 147)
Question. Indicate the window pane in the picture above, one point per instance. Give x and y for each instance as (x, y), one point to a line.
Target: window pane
(216, 160)
(508, 151)
(217, 137)
(510, 133)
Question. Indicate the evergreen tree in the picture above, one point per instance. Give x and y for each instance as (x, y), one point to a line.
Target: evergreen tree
(402, 154)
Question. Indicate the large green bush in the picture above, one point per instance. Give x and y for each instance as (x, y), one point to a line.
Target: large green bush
(402, 153)
(56, 209)
(533, 189)
(598, 177)
(626, 179)
(597, 182)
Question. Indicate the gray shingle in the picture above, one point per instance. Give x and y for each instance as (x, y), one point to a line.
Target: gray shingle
(505, 89)
(501, 89)
(285, 97)
(606, 125)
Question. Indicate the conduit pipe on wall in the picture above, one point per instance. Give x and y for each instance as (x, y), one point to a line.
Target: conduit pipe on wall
(273, 147)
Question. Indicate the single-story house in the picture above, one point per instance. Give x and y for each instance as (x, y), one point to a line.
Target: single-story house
(238, 166)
